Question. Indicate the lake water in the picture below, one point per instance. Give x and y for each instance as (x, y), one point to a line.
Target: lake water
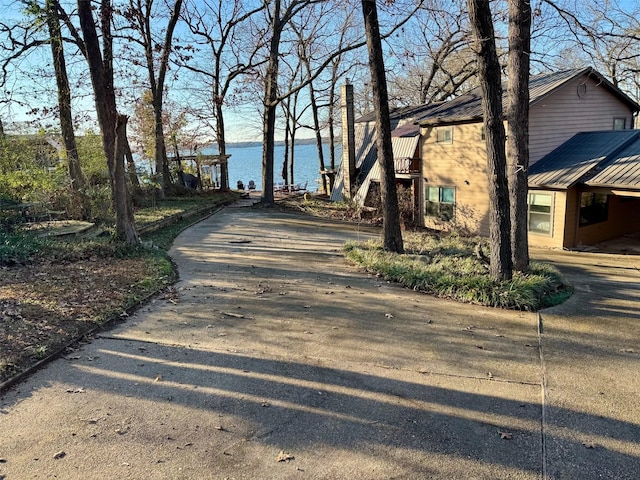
(245, 164)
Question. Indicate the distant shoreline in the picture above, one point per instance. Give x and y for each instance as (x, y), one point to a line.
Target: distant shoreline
(279, 143)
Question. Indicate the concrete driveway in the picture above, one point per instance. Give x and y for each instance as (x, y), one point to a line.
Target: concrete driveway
(272, 348)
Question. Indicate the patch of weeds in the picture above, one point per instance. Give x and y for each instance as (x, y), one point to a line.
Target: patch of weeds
(19, 247)
(448, 267)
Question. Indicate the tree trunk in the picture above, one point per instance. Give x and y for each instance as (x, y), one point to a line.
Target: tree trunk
(157, 87)
(222, 147)
(101, 71)
(491, 86)
(318, 132)
(76, 176)
(270, 104)
(332, 136)
(131, 169)
(518, 127)
(285, 161)
(125, 225)
(292, 154)
(392, 234)
(162, 164)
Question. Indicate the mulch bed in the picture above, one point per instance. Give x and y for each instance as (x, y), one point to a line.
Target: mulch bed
(45, 305)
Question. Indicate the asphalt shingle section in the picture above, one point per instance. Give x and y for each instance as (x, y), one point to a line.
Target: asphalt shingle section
(468, 108)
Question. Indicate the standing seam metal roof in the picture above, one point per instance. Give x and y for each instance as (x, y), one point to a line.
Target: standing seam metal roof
(622, 171)
(593, 158)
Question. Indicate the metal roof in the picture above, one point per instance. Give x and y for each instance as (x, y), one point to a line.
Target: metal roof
(401, 112)
(620, 171)
(582, 158)
(404, 147)
(468, 108)
(365, 141)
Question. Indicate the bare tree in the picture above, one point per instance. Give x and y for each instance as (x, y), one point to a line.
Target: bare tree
(489, 73)
(435, 52)
(278, 19)
(64, 96)
(140, 14)
(518, 127)
(392, 234)
(101, 70)
(316, 35)
(217, 24)
(604, 34)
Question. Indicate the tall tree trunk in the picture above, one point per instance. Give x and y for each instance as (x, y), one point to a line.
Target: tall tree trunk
(222, 146)
(157, 86)
(491, 86)
(124, 222)
(392, 234)
(318, 132)
(76, 176)
(285, 160)
(316, 126)
(101, 71)
(270, 104)
(518, 127)
(162, 163)
(292, 153)
(332, 136)
(131, 170)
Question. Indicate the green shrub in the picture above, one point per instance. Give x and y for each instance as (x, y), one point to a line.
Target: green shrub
(19, 247)
(448, 267)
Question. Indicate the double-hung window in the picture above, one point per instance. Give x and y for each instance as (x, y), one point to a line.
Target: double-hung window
(441, 202)
(540, 216)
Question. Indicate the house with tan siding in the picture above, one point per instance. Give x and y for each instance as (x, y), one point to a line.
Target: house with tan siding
(454, 193)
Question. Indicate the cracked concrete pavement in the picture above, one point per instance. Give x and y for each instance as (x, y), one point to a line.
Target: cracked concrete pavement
(272, 347)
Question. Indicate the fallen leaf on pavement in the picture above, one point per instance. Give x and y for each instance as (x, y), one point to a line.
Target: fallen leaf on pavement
(284, 457)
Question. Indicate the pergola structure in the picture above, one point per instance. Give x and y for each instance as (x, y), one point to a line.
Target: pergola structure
(217, 165)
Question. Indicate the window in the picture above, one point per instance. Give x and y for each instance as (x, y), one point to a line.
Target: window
(594, 208)
(619, 123)
(444, 135)
(441, 202)
(540, 213)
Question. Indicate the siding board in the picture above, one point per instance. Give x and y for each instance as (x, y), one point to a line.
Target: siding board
(563, 113)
